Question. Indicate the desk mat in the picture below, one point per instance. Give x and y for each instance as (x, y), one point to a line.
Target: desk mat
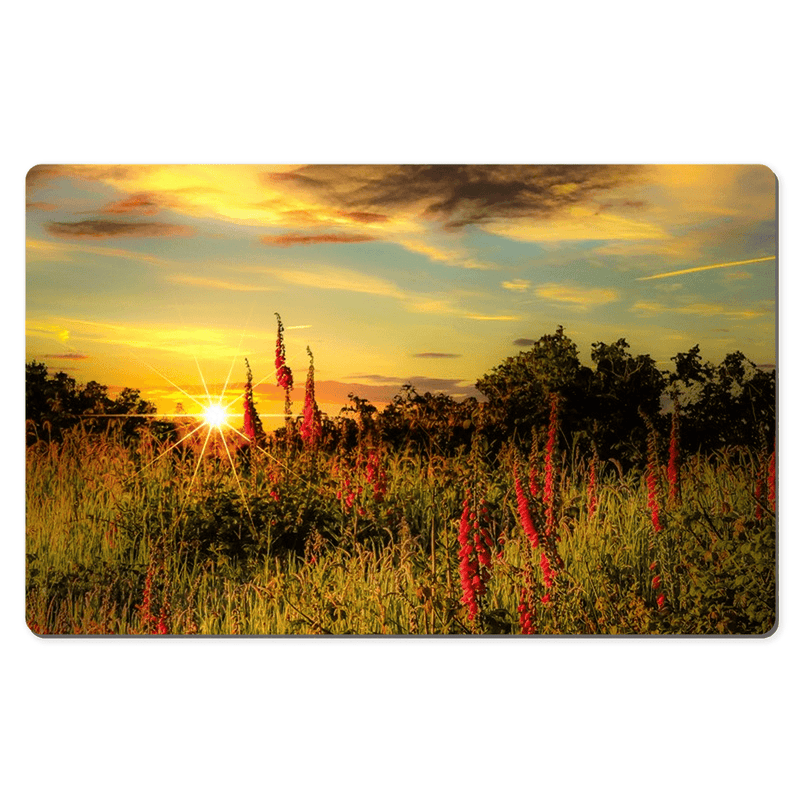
(401, 400)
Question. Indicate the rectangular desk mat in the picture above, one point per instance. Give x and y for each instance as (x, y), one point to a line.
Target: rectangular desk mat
(400, 400)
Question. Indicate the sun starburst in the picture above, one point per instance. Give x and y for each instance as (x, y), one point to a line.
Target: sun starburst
(215, 416)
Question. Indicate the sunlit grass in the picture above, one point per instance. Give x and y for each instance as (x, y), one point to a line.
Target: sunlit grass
(267, 544)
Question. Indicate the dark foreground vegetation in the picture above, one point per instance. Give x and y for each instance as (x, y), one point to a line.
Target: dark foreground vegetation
(607, 499)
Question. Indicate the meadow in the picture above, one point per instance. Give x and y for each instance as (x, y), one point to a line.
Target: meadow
(136, 536)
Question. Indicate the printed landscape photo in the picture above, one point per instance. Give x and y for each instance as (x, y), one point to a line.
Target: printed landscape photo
(401, 400)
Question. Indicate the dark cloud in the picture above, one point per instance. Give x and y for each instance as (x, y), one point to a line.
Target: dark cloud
(456, 195)
(436, 355)
(637, 204)
(364, 216)
(296, 215)
(44, 173)
(135, 204)
(111, 229)
(67, 356)
(290, 239)
(524, 342)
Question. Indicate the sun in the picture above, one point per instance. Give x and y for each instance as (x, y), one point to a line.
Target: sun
(215, 416)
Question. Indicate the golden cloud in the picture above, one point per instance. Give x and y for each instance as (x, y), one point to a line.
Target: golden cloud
(216, 283)
(516, 285)
(578, 296)
(491, 317)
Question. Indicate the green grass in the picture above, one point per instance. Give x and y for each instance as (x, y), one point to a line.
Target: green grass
(276, 551)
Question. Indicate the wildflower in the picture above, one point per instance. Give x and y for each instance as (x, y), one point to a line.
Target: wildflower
(525, 512)
(475, 554)
(311, 429)
(482, 544)
(253, 429)
(282, 371)
(771, 479)
(652, 499)
(547, 572)
(651, 473)
(549, 470)
(283, 374)
(674, 467)
(525, 613)
(546, 598)
(591, 491)
(660, 601)
(467, 569)
(376, 476)
(656, 581)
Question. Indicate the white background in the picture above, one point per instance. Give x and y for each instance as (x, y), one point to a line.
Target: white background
(615, 82)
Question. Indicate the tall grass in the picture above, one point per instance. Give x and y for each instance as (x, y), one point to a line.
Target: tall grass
(120, 541)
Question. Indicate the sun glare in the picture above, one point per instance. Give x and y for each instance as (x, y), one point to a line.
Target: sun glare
(215, 416)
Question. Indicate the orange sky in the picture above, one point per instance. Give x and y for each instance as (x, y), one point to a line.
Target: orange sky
(163, 277)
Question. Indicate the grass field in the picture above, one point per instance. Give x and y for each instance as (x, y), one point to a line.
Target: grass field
(143, 539)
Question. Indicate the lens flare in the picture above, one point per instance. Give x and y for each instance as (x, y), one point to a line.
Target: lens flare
(215, 416)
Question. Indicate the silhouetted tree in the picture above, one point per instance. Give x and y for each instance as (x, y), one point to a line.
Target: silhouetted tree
(54, 403)
(732, 403)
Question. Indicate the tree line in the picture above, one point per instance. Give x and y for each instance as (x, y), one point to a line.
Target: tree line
(604, 408)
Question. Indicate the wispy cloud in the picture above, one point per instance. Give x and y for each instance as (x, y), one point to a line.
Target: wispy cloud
(46, 329)
(710, 266)
(112, 229)
(66, 356)
(717, 309)
(645, 308)
(217, 283)
(292, 239)
(143, 203)
(738, 276)
(578, 223)
(188, 340)
(452, 256)
(328, 278)
(436, 355)
(516, 285)
(334, 278)
(41, 250)
(580, 297)
(491, 317)
(524, 342)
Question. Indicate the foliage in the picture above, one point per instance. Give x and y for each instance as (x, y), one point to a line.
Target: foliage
(732, 403)
(621, 387)
(429, 423)
(55, 403)
(430, 516)
(132, 538)
(518, 389)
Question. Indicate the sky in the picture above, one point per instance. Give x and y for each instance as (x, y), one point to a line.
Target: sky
(165, 278)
